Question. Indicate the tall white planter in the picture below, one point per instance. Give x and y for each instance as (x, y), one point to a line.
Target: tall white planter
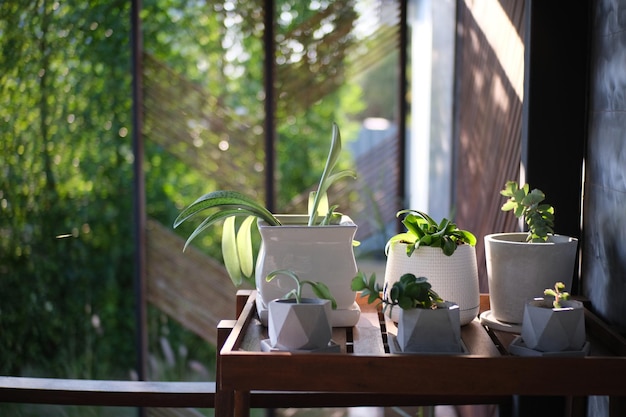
(518, 270)
(316, 253)
(454, 278)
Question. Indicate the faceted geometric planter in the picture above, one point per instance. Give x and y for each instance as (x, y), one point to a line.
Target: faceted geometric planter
(433, 331)
(549, 329)
(303, 326)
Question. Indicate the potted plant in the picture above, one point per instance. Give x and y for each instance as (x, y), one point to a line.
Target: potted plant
(319, 244)
(299, 323)
(426, 322)
(521, 264)
(442, 252)
(552, 325)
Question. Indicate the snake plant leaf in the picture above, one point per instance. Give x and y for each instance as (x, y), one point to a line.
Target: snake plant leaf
(331, 217)
(212, 219)
(229, 251)
(226, 199)
(333, 156)
(322, 206)
(244, 247)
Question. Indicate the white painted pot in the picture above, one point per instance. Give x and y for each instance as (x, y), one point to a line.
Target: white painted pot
(518, 270)
(454, 278)
(299, 326)
(315, 253)
(428, 330)
(549, 329)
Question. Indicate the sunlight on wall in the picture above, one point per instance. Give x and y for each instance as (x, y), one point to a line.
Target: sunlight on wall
(503, 39)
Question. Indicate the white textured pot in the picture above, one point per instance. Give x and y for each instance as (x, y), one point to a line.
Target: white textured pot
(518, 270)
(549, 329)
(454, 278)
(315, 253)
(428, 330)
(299, 326)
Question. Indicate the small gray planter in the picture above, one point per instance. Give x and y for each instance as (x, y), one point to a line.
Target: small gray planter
(303, 326)
(549, 329)
(430, 331)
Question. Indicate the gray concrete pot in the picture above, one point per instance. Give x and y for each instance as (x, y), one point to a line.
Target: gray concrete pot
(433, 331)
(549, 329)
(517, 270)
(299, 326)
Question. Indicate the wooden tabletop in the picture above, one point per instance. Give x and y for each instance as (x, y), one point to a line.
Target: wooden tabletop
(366, 366)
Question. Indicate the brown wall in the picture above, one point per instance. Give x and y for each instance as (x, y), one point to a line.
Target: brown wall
(488, 117)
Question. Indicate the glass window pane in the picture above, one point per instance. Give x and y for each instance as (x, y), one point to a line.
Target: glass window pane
(338, 62)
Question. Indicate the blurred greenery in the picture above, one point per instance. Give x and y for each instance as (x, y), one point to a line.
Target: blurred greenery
(66, 182)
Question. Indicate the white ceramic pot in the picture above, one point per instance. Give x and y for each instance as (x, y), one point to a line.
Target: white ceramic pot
(454, 278)
(549, 329)
(316, 253)
(428, 330)
(299, 326)
(518, 270)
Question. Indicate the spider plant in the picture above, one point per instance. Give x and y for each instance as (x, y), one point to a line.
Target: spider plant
(227, 205)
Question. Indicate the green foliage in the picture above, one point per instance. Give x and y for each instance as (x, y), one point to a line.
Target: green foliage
(66, 225)
(65, 202)
(527, 204)
(320, 289)
(225, 205)
(558, 294)
(407, 293)
(422, 230)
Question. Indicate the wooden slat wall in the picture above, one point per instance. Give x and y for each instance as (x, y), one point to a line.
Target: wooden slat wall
(488, 116)
(190, 287)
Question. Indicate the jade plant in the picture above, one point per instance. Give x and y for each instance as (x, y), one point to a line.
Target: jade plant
(407, 293)
(558, 294)
(226, 205)
(423, 230)
(320, 289)
(528, 205)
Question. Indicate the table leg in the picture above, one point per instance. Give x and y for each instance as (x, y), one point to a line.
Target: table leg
(224, 400)
(617, 406)
(224, 404)
(242, 404)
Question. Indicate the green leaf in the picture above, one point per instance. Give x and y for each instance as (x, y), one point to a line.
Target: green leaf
(321, 290)
(328, 177)
(229, 251)
(210, 220)
(244, 247)
(358, 283)
(226, 199)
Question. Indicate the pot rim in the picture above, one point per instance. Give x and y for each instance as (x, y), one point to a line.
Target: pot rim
(568, 305)
(301, 220)
(519, 238)
(445, 305)
(303, 301)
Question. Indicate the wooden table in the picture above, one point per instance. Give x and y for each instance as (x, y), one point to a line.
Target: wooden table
(366, 373)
